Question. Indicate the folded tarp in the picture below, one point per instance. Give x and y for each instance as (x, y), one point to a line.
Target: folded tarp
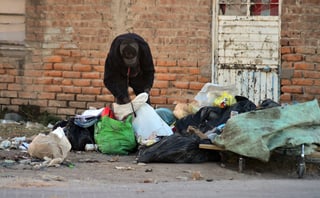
(255, 134)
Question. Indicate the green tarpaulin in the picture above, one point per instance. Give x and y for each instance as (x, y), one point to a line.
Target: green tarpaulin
(255, 134)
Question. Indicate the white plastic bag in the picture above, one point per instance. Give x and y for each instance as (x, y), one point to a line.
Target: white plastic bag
(123, 110)
(148, 125)
(211, 91)
(55, 146)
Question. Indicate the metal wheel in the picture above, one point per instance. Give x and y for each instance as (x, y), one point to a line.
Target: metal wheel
(302, 164)
(301, 169)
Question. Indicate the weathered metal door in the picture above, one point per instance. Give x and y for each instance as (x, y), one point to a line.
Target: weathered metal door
(246, 47)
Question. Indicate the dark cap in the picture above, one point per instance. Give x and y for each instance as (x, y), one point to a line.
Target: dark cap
(129, 50)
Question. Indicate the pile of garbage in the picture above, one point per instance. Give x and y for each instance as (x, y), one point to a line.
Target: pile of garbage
(217, 116)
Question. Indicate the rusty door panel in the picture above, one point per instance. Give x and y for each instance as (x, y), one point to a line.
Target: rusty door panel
(247, 55)
(257, 85)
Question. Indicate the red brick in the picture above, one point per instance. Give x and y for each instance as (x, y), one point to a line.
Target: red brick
(285, 82)
(4, 101)
(15, 87)
(302, 81)
(166, 63)
(95, 104)
(91, 75)
(292, 89)
(312, 74)
(304, 66)
(91, 90)
(62, 52)
(181, 85)
(97, 83)
(62, 66)
(46, 95)
(71, 89)
(194, 71)
(305, 50)
(82, 68)
(56, 103)
(41, 103)
(9, 94)
(85, 98)
(19, 101)
(165, 77)
(196, 85)
(81, 82)
(33, 73)
(52, 59)
(286, 50)
(66, 111)
(98, 68)
(161, 84)
(89, 61)
(303, 98)
(47, 66)
(292, 57)
(313, 90)
(285, 97)
(77, 104)
(66, 82)
(53, 73)
(30, 95)
(54, 88)
(71, 74)
(45, 81)
(63, 96)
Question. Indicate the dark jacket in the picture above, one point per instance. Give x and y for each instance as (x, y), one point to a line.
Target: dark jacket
(116, 77)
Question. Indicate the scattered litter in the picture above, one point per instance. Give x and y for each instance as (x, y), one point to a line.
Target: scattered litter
(149, 180)
(196, 175)
(52, 178)
(114, 159)
(53, 147)
(124, 168)
(88, 160)
(5, 144)
(182, 178)
(142, 164)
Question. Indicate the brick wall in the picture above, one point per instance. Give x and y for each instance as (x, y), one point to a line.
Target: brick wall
(300, 51)
(61, 69)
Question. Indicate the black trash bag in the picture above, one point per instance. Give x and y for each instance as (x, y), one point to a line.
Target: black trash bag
(78, 136)
(268, 103)
(177, 148)
(208, 117)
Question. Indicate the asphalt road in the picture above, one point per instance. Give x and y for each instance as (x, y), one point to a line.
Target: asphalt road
(281, 188)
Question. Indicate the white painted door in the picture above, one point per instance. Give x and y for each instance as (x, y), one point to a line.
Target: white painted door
(246, 47)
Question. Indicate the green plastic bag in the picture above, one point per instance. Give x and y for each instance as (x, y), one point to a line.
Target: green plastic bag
(114, 136)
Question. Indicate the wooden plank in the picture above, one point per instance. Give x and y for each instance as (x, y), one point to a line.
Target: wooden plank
(247, 61)
(238, 45)
(12, 6)
(241, 37)
(261, 54)
(248, 18)
(248, 30)
(255, 23)
(12, 19)
(12, 28)
(210, 147)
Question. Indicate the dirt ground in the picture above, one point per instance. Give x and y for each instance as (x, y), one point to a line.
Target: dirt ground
(94, 167)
